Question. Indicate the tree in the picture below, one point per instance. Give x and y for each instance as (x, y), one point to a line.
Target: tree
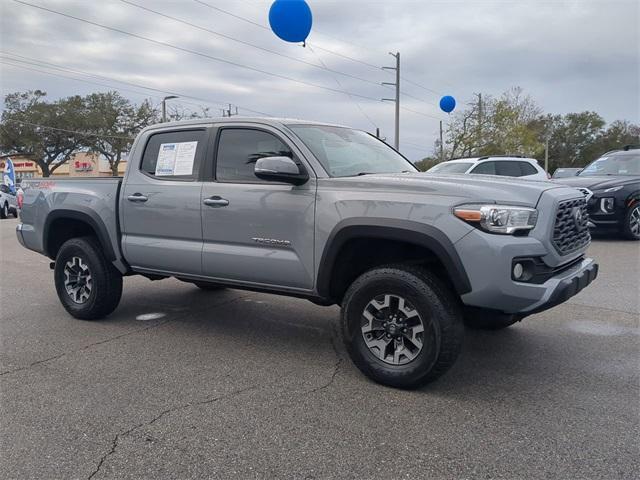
(572, 138)
(113, 122)
(507, 125)
(46, 132)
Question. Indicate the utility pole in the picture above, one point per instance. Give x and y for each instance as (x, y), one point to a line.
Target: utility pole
(441, 144)
(229, 113)
(397, 99)
(546, 155)
(479, 123)
(164, 106)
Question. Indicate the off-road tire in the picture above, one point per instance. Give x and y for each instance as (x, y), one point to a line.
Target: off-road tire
(482, 319)
(629, 227)
(209, 287)
(437, 307)
(106, 288)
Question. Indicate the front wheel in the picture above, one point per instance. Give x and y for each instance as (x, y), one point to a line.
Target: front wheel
(88, 285)
(4, 211)
(631, 226)
(401, 326)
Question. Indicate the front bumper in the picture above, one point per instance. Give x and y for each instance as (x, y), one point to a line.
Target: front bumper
(488, 261)
(568, 287)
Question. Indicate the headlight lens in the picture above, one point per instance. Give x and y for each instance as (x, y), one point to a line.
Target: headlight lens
(614, 189)
(505, 219)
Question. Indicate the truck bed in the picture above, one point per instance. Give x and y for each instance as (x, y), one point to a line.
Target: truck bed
(92, 199)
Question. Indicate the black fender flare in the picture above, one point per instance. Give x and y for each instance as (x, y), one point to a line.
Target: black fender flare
(87, 216)
(391, 229)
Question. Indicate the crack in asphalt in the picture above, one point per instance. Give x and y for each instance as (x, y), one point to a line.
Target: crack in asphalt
(184, 406)
(334, 334)
(117, 337)
(85, 347)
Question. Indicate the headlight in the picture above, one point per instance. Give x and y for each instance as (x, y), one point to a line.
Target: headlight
(504, 219)
(614, 189)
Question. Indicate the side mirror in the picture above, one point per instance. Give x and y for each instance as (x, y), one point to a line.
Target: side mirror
(282, 169)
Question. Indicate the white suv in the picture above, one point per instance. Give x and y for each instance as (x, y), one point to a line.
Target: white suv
(505, 166)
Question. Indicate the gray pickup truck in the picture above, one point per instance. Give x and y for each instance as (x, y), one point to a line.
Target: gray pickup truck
(322, 212)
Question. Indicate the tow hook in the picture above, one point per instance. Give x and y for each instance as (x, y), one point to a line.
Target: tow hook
(52, 265)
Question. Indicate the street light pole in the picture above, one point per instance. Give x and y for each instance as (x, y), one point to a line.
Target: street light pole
(164, 106)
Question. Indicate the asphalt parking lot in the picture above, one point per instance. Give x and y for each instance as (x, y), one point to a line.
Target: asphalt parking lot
(180, 383)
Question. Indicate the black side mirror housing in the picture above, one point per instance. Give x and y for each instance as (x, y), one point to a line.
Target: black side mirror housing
(281, 169)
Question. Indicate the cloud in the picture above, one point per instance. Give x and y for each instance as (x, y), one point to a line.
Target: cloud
(570, 55)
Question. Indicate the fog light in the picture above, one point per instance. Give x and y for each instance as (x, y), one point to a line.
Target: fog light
(518, 270)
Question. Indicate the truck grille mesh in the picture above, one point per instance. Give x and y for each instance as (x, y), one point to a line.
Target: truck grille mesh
(571, 232)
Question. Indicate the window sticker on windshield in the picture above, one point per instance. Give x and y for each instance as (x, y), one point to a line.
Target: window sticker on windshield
(176, 158)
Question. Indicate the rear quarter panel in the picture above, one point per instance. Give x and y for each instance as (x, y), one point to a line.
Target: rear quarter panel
(47, 198)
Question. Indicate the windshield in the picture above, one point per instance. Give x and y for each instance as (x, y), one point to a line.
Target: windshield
(614, 164)
(344, 152)
(450, 167)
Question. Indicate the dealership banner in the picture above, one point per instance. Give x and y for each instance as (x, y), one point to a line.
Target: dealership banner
(9, 176)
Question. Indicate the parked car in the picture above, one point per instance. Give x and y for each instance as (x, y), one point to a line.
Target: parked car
(504, 166)
(322, 212)
(566, 172)
(8, 202)
(611, 185)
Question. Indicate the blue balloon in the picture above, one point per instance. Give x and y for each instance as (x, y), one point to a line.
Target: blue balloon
(447, 103)
(291, 20)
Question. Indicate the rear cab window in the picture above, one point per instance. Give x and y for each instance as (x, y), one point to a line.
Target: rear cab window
(174, 155)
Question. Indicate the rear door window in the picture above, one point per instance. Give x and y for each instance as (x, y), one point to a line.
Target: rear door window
(174, 155)
(508, 168)
(485, 168)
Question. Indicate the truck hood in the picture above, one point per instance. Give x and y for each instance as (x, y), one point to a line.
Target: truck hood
(599, 182)
(475, 188)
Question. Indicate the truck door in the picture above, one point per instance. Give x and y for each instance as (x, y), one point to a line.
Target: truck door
(161, 220)
(254, 230)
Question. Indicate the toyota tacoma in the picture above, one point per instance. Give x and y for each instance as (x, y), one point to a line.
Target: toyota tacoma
(322, 212)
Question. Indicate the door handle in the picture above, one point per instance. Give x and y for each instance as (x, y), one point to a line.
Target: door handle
(215, 202)
(137, 197)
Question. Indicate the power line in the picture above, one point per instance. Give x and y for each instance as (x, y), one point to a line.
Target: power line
(86, 134)
(233, 39)
(318, 47)
(333, 52)
(33, 61)
(347, 93)
(193, 52)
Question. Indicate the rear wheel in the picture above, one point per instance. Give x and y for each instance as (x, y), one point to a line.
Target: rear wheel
(88, 285)
(4, 211)
(484, 319)
(631, 226)
(401, 326)
(14, 212)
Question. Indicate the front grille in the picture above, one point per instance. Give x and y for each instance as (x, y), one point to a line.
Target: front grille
(571, 231)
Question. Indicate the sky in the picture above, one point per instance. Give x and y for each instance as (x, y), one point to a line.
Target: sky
(569, 55)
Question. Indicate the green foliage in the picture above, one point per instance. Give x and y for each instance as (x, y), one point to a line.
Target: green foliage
(114, 122)
(21, 131)
(50, 132)
(514, 124)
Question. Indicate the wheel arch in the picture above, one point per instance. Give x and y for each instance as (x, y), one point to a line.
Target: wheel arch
(402, 231)
(76, 222)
